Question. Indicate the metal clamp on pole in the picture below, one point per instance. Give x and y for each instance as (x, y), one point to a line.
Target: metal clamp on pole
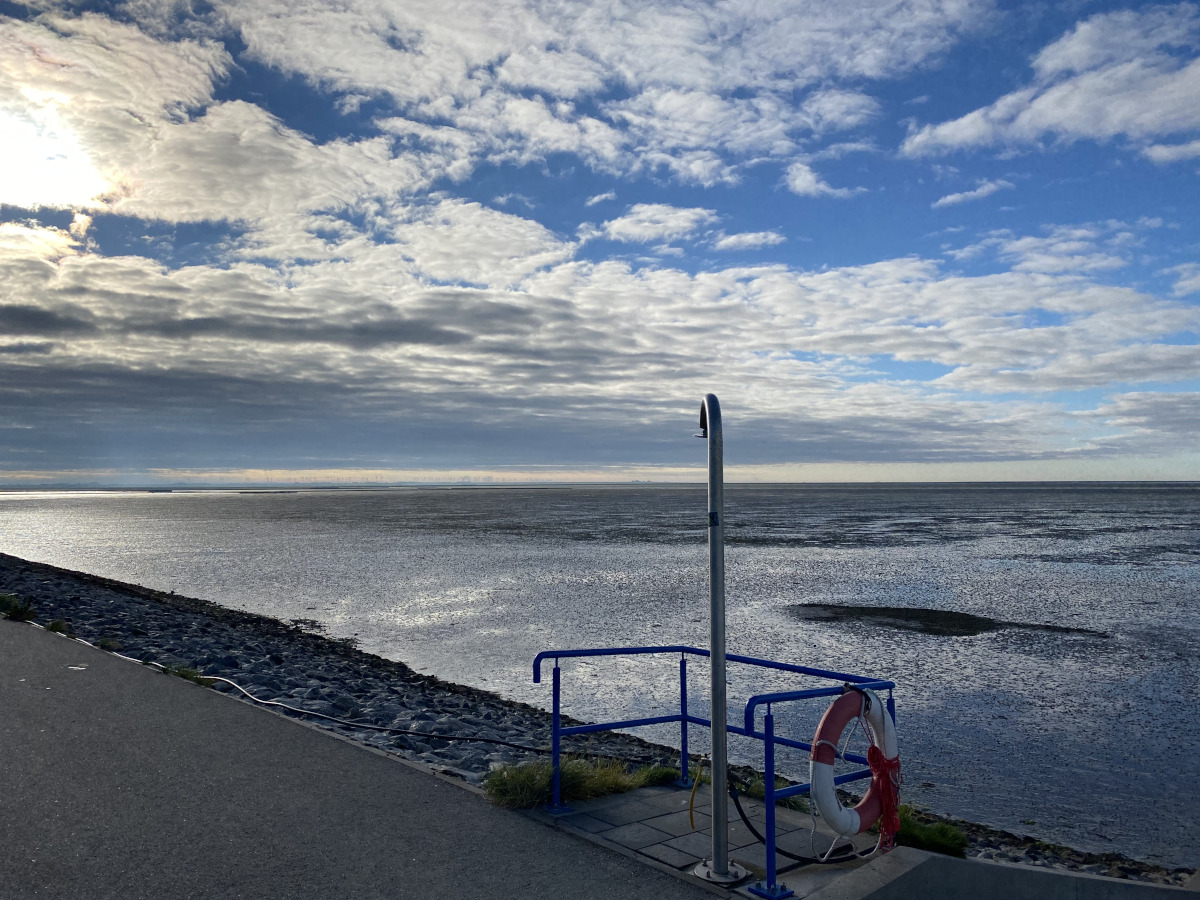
(718, 868)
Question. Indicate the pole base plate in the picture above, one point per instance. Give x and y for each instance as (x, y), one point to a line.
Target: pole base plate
(733, 874)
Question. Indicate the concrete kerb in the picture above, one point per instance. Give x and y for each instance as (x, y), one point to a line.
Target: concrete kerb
(907, 873)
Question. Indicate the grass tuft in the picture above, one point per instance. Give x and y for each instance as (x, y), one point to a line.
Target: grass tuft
(189, 674)
(937, 837)
(112, 645)
(528, 785)
(656, 775)
(13, 607)
(58, 626)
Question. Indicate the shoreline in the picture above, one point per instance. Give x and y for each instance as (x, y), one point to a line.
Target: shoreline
(293, 664)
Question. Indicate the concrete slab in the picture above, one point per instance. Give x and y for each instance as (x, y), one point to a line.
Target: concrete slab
(696, 843)
(679, 823)
(635, 836)
(620, 810)
(675, 858)
(587, 823)
(755, 856)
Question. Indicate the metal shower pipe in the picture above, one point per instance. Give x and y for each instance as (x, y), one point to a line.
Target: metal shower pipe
(718, 868)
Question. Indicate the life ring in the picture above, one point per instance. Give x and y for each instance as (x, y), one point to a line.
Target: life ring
(883, 796)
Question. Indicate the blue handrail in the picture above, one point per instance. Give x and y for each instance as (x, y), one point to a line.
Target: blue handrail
(768, 888)
(695, 651)
(785, 696)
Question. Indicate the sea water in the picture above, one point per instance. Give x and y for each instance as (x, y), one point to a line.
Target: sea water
(1069, 711)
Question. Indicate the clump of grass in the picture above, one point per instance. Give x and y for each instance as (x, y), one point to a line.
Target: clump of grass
(15, 608)
(112, 645)
(937, 837)
(528, 785)
(188, 673)
(58, 626)
(658, 774)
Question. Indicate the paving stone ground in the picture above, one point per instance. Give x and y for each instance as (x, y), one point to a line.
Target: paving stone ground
(666, 825)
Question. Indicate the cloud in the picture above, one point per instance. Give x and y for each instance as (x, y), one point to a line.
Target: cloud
(602, 82)
(802, 180)
(986, 188)
(837, 110)
(1121, 74)
(80, 223)
(503, 248)
(1168, 153)
(505, 199)
(1149, 416)
(26, 318)
(237, 162)
(1189, 279)
(465, 84)
(340, 297)
(126, 123)
(367, 335)
(37, 347)
(86, 96)
(646, 222)
(748, 240)
(34, 246)
(1090, 247)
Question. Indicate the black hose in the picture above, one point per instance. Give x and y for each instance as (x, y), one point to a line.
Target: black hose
(843, 855)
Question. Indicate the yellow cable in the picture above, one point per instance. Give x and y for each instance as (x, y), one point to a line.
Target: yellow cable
(695, 787)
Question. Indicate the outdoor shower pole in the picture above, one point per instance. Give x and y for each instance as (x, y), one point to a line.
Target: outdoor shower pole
(718, 868)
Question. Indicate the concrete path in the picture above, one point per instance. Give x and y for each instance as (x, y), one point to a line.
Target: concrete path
(118, 781)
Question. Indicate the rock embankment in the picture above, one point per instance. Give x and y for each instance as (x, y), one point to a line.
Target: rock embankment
(291, 663)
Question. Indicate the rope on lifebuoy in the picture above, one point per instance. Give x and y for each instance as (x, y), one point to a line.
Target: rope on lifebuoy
(887, 772)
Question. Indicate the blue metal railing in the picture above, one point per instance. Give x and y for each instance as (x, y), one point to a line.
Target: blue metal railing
(768, 888)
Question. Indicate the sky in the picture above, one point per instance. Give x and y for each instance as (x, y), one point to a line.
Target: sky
(402, 239)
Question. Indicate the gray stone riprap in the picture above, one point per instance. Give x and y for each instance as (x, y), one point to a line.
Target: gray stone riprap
(284, 662)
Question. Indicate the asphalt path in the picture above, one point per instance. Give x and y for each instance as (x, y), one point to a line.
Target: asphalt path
(117, 781)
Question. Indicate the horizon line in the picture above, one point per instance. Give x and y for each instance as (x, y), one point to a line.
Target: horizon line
(296, 487)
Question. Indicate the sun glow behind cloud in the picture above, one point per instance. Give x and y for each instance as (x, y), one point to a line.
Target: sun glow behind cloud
(42, 163)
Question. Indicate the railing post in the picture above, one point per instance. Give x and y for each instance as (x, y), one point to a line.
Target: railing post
(556, 804)
(769, 888)
(685, 775)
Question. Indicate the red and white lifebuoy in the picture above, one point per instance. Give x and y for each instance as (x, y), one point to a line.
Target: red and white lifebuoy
(882, 798)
